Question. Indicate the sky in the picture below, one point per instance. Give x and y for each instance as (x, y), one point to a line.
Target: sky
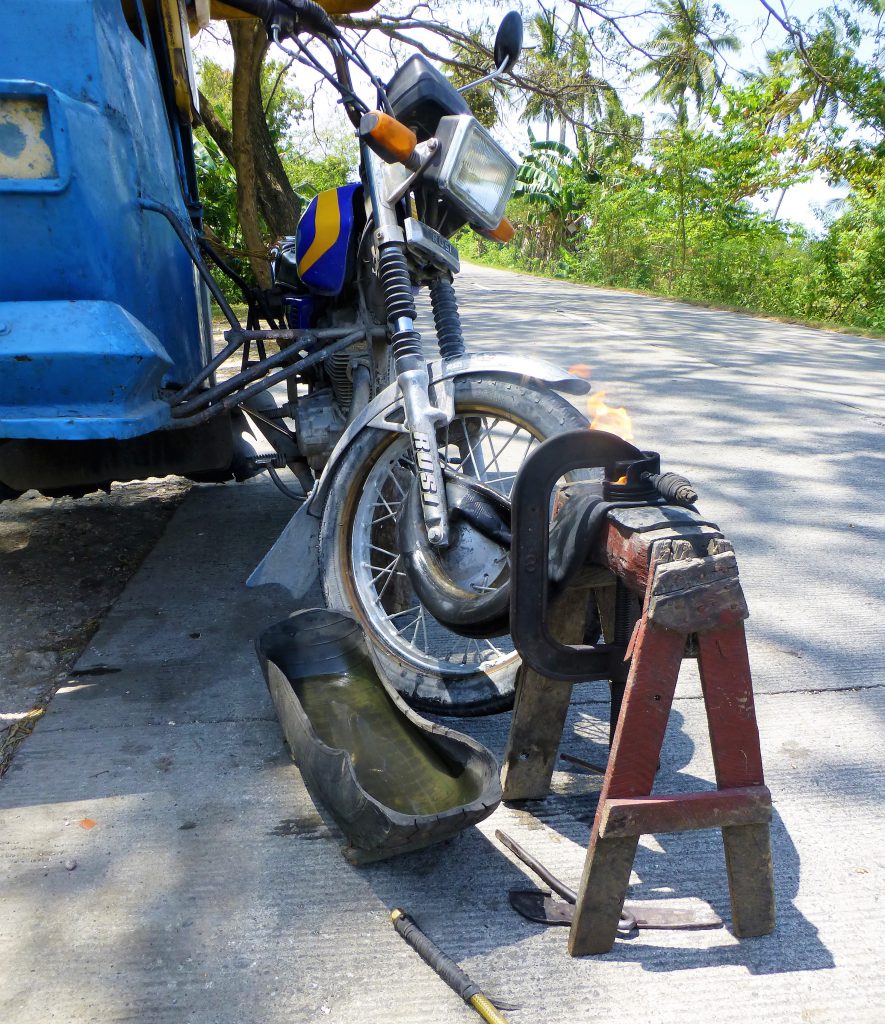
(756, 32)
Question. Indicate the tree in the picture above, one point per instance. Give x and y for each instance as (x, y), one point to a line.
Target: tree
(542, 180)
(545, 54)
(685, 59)
(239, 127)
(573, 94)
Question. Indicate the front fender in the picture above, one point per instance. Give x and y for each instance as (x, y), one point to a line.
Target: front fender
(285, 563)
(501, 364)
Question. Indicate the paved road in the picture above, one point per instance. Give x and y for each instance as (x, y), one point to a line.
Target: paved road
(210, 890)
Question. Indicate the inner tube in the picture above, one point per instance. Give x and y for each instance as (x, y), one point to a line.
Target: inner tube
(470, 613)
(392, 781)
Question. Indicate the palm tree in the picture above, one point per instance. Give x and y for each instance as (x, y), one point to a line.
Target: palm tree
(573, 93)
(547, 53)
(686, 54)
(685, 62)
(800, 87)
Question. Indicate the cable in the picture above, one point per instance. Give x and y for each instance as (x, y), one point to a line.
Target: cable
(357, 59)
(280, 486)
(348, 95)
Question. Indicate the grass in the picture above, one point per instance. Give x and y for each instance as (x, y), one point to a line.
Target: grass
(819, 325)
(219, 322)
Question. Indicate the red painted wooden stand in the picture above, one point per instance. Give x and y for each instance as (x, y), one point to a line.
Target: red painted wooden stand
(686, 575)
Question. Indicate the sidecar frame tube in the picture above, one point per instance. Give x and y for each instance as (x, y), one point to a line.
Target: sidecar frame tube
(237, 397)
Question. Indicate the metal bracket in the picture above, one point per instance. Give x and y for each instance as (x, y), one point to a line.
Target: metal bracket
(431, 247)
(389, 233)
(423, 155)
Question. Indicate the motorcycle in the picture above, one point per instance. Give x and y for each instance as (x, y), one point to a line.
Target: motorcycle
(409, 514)
(405, 462)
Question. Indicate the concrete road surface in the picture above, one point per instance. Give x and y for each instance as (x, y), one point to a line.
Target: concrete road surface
(210, 890)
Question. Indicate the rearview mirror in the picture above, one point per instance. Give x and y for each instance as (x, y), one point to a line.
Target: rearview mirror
(508, 41)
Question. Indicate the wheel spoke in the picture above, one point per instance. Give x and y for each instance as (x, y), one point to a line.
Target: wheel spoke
(381, 569)
(496, 460)
(406, 611)
(473, 448)
(489, 445)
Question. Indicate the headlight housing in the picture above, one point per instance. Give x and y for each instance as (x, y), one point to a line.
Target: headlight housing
(472, 170)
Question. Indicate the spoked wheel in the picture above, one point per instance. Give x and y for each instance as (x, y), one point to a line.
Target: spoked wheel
(497, 423)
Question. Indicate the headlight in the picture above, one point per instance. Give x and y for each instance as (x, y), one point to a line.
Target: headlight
(473, 170)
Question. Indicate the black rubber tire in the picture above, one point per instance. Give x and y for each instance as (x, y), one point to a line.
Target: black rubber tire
(541, 411)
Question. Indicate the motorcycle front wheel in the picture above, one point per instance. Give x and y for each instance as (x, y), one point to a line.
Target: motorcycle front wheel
(497, 423)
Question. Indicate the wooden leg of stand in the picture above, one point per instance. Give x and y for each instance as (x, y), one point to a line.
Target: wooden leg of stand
(734, 736)
(631, 772)
(750, 879)
(541, 709)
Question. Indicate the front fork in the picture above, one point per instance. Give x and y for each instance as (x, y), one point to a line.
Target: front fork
(422, 416)
(422, 419)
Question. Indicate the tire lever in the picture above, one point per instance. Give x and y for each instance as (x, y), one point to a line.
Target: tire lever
(457, 979)
(627, 922)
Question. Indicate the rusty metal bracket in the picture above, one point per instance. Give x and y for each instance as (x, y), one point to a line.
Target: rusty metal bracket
(543, 908)
(532, 493)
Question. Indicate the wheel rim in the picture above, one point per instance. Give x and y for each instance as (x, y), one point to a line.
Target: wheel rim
(487, 445)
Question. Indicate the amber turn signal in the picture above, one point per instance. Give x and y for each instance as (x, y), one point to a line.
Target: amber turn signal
(391, 138)
(503, 233)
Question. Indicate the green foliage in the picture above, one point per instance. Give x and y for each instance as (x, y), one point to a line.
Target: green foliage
(218, 188)
(673, 212)
(314, 165)
(483, 99)
(308, 171)
(685, 55)
(283, 103)
(562, 61)
(849, 263)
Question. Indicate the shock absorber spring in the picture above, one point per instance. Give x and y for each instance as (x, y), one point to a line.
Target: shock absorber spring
(393, 272)
(447, 318)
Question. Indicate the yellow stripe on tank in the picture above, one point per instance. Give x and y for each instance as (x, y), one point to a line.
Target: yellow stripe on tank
(327, 227)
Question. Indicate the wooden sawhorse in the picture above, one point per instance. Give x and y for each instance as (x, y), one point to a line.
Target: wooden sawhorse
(686, 575)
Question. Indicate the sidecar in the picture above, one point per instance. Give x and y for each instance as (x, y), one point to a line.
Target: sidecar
(103, 314)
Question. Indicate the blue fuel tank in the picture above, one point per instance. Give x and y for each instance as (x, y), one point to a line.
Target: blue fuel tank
(100, 305)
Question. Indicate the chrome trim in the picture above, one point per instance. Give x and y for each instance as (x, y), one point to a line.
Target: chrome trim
(490, 77)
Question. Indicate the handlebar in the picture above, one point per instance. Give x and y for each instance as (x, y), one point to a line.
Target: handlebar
(289, 16)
